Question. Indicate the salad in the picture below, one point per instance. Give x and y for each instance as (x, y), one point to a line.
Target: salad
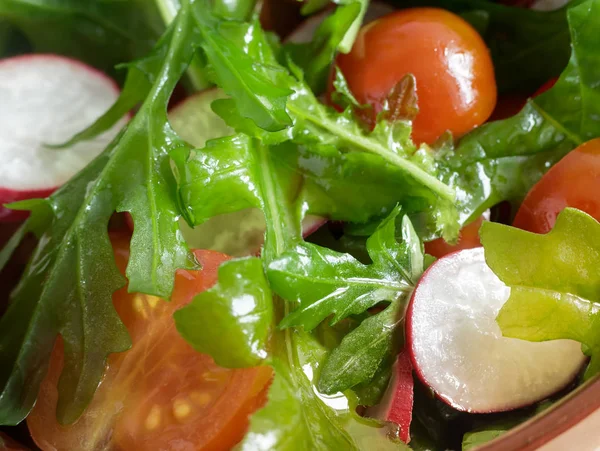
(295, 225)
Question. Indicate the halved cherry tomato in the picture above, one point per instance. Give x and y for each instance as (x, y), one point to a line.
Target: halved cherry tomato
(161, 394)
(468, 239)
(573, 182)
(452, 66)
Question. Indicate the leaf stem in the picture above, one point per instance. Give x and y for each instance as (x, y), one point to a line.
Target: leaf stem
(369, 146)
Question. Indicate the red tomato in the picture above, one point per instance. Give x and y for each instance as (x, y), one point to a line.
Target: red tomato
(456, 87)
(573, 182)
(545, 87)
(161, 394)
(468, 239)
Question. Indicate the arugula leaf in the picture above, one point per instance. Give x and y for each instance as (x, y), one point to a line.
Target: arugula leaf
(236, 10)
(72, 270)
(325, 282)
(502, 160)
(362, 351)
(336, 33)
(98, 32)
(555, 291)
(297, 416)
(238, 309)
(328, 284)
(337, 157)
(255, 84)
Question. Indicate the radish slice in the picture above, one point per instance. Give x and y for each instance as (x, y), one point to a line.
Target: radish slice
(457, 347)
(306, 30)
(46, 99)
(397, 403)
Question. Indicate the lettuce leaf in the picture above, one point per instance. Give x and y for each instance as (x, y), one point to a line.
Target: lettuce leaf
(555, 289)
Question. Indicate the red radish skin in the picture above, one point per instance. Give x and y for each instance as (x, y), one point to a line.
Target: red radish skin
(46, 99)
(397, 404)
(457, 348)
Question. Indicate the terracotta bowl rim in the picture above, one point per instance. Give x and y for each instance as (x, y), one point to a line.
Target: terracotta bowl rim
(552, 422)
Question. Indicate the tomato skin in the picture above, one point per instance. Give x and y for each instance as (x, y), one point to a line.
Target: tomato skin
(468, 239)
(161, 394)
(456, 87)
(572, 182)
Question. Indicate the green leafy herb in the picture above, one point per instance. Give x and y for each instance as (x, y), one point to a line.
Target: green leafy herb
(336, 33)
(99, 32)
(502, 160)
(325, 282)
(72, 271)
(255, 84)
(476, 438)
(362, 351)
(555, 291)
(239, 310)
(236, 9)
(296, 416)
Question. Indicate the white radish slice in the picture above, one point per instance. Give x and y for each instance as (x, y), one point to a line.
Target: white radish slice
(46, 99)
(306, 30)
(457, 347)
(236, 234)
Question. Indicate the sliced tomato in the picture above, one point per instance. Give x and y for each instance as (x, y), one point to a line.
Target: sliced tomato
(161, 394)
(455, 82)
(573, 182)
(468, 239)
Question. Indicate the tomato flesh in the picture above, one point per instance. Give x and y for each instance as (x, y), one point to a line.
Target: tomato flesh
(573, 182)
(452, 66)
(161, 394)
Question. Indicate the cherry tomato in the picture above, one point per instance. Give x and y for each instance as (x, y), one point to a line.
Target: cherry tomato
(454, 74)
(468, 239)
(161, 394)
(545, 87)
(573, 182)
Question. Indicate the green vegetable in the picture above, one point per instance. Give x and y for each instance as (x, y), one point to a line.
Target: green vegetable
(325, 282)
(231, 320)
(328, 283)
(477, 438)
(332, 35)
(98, 32)
(255, 85)
(362, 351)
(554, 285)
(502, 160)
(234, 9)
(297, 417)
(72, 271)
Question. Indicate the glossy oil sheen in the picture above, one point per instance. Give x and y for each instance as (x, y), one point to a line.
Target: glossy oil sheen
(456, 88)
(572, 182)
